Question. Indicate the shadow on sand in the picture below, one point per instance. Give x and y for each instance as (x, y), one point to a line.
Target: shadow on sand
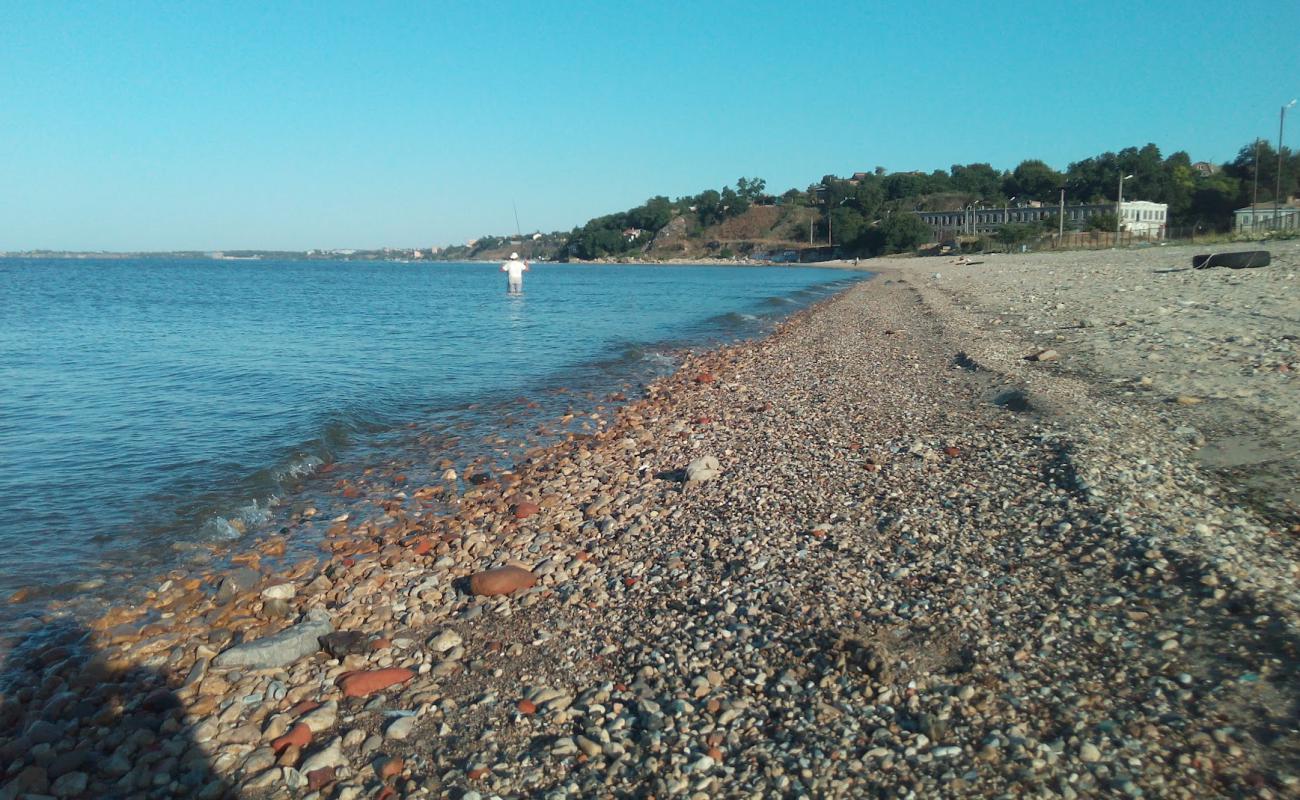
(76, 724)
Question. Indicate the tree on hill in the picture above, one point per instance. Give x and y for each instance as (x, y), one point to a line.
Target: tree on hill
(980, 180)
(1033, 180)
(903, 232)
(750, 189)
(1243, 169)
(652, 215)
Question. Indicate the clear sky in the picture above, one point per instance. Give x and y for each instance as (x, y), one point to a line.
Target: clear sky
(142, 126)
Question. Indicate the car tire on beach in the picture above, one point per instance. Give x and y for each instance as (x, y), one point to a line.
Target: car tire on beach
(1244, 259)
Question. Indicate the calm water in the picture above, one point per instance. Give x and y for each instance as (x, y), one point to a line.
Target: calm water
(150, 407)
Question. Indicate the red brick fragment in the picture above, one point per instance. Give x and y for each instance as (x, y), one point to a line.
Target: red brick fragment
(299, 735)
(364, 684)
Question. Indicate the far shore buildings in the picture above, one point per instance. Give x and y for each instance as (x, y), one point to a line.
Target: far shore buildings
(1262, 217)
(1138, 217)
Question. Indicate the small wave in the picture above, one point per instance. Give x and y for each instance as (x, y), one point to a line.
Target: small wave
(734, 319)
(778, 301)
(657, 358)
(238, 522)
(298, 468)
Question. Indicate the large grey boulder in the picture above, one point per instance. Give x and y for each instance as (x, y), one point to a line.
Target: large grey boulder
(279, 649)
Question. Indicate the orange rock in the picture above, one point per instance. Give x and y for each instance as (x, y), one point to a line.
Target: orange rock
(363, 684)
(524, 509)
(298, 736)
(951, 451)
(526, 707)
(715, 754)
(318, 779)
(476, 773)
(304, 707)
(391, 767)
(582, 555)
(705, 377)
(502, 580)
(386, 793)
(420, 545)
(381, 644)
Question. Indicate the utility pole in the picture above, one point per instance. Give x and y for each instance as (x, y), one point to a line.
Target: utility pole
(1254, 194)
(1119, 205)
(1277, 191)
(1060, 217)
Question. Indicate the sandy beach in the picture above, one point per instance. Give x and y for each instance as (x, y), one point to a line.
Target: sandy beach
(1024, 527)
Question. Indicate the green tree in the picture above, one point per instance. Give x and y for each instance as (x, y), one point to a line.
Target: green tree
(653, 215)
(733, 204)
(750, 189)
(979, 180)
(1034, 180)
(900, 185)
(1102, 221)
(794, 197)
(1242, 168)
(1214, 199)
(1013, 234)
(1179, 184)
(903, 231)
(708, 207)
(847, 225)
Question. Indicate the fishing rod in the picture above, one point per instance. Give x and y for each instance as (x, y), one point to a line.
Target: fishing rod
(518, 231)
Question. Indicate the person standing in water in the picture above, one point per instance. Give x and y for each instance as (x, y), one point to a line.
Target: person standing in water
(515, 269)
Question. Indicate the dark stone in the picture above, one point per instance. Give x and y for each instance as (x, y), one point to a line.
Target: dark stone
(236, 582)
(344, 643)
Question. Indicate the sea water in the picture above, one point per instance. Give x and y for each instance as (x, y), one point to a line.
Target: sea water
(152, 410)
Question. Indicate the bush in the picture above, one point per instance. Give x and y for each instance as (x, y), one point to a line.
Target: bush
(904, 231)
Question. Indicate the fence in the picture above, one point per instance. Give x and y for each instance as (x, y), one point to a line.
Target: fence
(1101, 240)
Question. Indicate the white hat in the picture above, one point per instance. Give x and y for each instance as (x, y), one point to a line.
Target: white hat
(514, 256)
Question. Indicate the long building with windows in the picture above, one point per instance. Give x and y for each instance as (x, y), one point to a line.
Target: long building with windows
(1138, 217)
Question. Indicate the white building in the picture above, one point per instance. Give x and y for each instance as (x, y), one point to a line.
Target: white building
(1261, 217)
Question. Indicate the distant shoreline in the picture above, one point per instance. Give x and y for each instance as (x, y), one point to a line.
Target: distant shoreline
(862, 266)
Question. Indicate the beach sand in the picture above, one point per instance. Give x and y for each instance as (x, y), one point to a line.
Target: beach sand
(923, 563)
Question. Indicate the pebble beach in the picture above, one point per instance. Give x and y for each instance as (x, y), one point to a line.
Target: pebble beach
(1027, 527)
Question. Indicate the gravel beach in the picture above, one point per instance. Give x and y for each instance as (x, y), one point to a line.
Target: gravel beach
(1027, 527)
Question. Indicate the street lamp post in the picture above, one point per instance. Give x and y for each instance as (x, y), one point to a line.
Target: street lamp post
(1277, 190)
(1119, 206)
(1254, 193)
(1006, 214)
(1060, 218)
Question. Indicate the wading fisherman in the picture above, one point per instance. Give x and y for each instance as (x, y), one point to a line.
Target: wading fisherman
(515, 269)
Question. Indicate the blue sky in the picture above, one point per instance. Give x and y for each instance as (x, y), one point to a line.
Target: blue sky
(141, 126)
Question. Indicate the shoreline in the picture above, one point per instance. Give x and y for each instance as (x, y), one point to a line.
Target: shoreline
(897, 580)
(236, 510)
